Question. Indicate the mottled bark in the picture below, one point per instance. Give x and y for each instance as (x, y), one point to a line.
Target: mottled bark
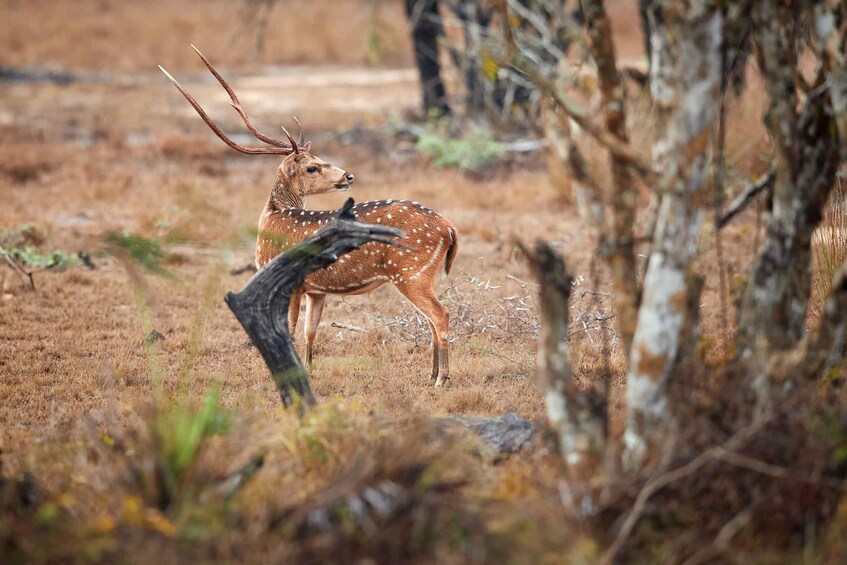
(684, 81)
(773, 312)
(589, 202)
(830, 23)
(619, 248)
(577, 417)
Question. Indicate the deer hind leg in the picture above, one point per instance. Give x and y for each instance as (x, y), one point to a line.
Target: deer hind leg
(423, 298)
(294, 312)
(314, 309)
(435, 352)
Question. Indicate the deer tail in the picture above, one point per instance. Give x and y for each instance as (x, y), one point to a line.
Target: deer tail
(452, 250)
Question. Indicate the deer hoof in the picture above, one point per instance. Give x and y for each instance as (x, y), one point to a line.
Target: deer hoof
(442, 380)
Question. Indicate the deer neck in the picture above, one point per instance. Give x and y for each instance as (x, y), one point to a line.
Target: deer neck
(284, 196)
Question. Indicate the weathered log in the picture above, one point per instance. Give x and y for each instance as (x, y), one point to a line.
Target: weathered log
(261, 306)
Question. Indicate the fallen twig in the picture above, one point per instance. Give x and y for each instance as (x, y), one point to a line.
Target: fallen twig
(18, 269)
(347, 327)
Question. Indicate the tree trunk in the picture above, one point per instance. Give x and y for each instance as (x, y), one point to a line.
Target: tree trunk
(772, 316)
(619, 247)
(578, 417)
(471, 63)
(425, 27)
(830, 19)
(684, 81)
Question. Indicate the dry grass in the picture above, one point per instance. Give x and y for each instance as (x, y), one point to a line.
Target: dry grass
(87, 159)
(82, 392)
(829, 247)
(109, 35)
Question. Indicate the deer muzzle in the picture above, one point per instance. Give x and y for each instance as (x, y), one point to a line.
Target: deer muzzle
(345, 183)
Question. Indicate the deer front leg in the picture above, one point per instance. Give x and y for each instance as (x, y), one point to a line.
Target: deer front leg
(314, 309)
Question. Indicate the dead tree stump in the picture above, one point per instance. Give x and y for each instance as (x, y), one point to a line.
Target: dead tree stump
(262, 305)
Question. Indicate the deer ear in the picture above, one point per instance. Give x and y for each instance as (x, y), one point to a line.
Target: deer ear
(288, 168)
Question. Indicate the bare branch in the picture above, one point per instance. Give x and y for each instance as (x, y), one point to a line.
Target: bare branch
(655, 485)
(347, 327)
(621, 150)
(17, 268)
(721, 541)
(771, 470)
(740, 203)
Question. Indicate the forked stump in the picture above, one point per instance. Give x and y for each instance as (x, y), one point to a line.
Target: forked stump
(262, 305)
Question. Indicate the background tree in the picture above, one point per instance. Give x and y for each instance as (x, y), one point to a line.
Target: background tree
(776, 364)
(425, 27)
(491, 91)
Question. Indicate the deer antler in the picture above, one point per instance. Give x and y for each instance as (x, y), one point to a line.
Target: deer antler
(236, 104)
(301, 138)
(291, 140)
(279, 147)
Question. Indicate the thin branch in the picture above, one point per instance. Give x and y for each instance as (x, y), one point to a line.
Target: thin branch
(721, 541)
(655, 485)
(621, 150)
(765, 182)
(772, 470)
(17, 268)
(719, 170)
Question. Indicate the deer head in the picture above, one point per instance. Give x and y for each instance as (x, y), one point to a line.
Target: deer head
(305, 175)
(300, 174)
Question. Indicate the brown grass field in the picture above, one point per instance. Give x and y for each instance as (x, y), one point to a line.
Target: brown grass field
(119, 149)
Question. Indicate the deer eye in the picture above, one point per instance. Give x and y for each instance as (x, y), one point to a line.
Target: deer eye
(312, 169)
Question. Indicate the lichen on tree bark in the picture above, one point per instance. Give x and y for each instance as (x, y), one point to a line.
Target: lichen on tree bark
(772, 316)
(685, 79)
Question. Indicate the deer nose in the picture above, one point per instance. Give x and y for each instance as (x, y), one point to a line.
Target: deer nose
(349, 177)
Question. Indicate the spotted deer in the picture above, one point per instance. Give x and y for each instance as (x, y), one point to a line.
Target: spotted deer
(432, 239)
